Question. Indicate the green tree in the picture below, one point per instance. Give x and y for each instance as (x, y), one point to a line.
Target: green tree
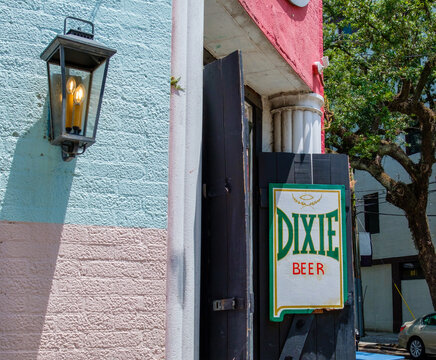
(381, 82)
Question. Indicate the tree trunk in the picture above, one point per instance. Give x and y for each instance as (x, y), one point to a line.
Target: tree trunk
(419, 227)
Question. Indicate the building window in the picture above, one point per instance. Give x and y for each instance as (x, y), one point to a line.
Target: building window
(372, 222)
(411, 271)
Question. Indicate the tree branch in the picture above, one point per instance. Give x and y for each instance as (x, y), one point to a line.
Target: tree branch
(398, 193)
(397, 153)
(427, 119)
(376, 170)
(408, 107)
(380, 33)
(405, 91)
(430, 100)
(361, 62)
(385, 148)
(425, 74)
(427, 10)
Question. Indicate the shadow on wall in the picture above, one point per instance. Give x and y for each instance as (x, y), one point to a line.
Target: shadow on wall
(39, 183)
(28, 259)
(31, 224)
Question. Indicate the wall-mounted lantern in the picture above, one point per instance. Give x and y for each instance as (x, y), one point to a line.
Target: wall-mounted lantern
(77, 68)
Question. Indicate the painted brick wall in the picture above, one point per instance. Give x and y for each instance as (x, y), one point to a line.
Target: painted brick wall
(83, 244)
(122, 179)
(81, 292)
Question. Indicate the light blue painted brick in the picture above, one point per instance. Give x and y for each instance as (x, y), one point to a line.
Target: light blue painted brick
(3, 178)
(91, 186)
(142, 188)
(24, 5)
(114, 170)
(154, 204)
(127, 154)
(121, 139)
(125, 218)
(99, 217)
(60, 9)
(113, 4)
(122, 179)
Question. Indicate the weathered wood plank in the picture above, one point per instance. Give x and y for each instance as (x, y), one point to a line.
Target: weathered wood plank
(321, 169)
(296, 339)
(224, 241)
(236, 160)
(345, 347)
(326, 336)
(269, 332)
(215, 324)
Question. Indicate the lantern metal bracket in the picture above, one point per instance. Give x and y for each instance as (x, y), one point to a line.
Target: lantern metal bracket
(70, 150)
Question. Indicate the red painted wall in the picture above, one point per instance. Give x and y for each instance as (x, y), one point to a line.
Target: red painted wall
(295, 32)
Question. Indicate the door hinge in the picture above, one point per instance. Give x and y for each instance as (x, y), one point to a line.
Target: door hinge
(228, 304)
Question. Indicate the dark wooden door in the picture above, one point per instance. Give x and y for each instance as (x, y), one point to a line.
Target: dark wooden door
(326, 336)
(225, 310)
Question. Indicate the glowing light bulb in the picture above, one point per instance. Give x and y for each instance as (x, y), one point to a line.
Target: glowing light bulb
(78, 96)
(71, 86)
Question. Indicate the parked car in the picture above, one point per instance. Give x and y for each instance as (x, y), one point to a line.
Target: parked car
(419, 336)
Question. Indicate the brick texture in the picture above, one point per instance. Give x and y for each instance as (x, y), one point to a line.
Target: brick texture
(81, 292)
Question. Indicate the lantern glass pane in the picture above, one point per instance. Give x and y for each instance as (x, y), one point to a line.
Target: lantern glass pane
(77, 91)
(94, 99)
(56, 99)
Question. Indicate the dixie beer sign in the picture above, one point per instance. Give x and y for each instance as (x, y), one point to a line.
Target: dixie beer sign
(307, 248)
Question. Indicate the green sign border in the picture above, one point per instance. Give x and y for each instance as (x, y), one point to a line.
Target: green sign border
(271, 244)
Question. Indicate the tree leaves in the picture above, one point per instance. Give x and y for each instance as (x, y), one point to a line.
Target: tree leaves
(375, 46)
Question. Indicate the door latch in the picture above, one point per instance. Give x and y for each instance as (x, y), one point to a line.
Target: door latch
(228, 304)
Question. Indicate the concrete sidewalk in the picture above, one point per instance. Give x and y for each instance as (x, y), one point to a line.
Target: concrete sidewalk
(383, 343)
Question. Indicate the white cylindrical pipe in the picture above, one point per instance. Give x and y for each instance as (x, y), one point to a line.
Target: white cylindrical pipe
(287, 140)
(184, 184)
(308, 138)
(298, 132)
(277, 119)
(316, 129)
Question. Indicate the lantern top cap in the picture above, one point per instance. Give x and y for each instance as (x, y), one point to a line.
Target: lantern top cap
(75, 40)
(79, 30)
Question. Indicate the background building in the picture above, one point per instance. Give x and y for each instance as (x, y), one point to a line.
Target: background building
(394, 257)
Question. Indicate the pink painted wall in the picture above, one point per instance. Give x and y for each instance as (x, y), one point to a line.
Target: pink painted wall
(81, 292)
(295, 32)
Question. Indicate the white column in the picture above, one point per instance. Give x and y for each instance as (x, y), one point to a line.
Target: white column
(184, 181)
(308, 135)
(316, 131)
(287, 131)
(298, 132)
(277, 120)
